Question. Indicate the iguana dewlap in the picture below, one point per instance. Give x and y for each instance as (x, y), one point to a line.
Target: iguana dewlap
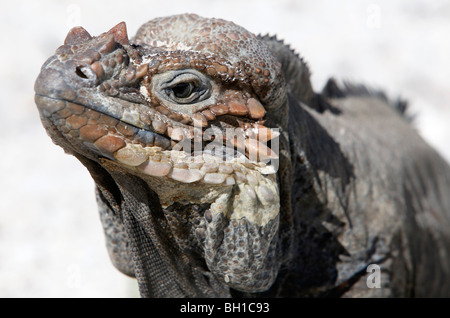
(220, 172)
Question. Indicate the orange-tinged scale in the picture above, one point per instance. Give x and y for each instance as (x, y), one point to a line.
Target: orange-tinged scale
(163, 110)
(255, 109)
(187, 119)
(208, 114)
(176, 116)
(98, 69)
(64, 113)
(75, 108)
(109, 144)
(92, 114)
(211, 71)
(125, 130)
(200, 120)
(92, 132)
(76, 122)
(236, 108)
(220, 68)
(219, 109)
(107, 120)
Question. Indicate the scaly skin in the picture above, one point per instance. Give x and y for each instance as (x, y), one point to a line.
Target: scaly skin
(220, 172)
(109, 99)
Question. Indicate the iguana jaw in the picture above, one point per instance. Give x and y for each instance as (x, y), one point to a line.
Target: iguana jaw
(175, 175)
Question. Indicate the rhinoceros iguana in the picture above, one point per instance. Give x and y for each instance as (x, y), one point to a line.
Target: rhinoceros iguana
(220, 172)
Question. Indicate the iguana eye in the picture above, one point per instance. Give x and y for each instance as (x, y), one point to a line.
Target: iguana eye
(183, 90)
(186, 88)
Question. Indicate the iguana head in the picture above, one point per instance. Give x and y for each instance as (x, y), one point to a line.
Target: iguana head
(188, 106)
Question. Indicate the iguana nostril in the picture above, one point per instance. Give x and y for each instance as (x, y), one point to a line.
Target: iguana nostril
(79, 71)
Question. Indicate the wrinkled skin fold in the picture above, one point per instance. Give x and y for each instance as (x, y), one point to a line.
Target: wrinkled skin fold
(220, 172)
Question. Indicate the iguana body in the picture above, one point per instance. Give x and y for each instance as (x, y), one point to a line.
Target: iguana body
(309, 190)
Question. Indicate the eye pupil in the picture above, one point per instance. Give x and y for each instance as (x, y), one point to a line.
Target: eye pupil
(183, 90)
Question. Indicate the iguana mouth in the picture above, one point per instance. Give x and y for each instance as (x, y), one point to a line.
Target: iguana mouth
(155, 155)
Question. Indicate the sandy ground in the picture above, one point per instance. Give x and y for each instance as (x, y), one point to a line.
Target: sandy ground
(51, 241)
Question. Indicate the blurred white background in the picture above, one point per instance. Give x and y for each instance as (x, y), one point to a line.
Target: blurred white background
(51, 240)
